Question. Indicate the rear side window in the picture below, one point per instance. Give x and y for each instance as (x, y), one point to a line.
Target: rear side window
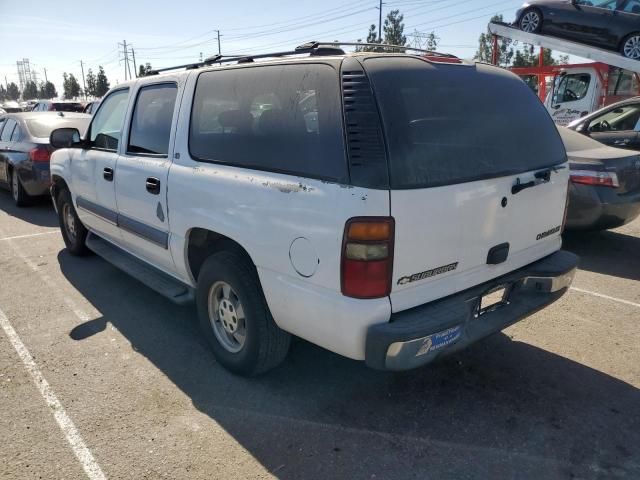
(152, 117)
(67, 107)
(7, 130)
(449, 124)
(17, 134)
(279, 118)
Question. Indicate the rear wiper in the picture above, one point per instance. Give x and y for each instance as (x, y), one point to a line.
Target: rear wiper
(543, 176)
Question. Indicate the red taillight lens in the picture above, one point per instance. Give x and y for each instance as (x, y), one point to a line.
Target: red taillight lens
(40, 154)
(598, 179)
(367, 257)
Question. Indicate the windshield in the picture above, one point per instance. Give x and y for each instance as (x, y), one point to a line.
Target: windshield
(452, 124)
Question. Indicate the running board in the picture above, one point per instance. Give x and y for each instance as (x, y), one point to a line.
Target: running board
(153, 278)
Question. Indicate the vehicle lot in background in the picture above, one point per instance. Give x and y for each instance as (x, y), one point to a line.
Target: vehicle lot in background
(55, 106)
(604, 191)
(612, 24)
(555, 396)
(25, 151)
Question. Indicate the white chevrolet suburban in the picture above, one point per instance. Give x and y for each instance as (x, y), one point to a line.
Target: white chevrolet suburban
(391, 208)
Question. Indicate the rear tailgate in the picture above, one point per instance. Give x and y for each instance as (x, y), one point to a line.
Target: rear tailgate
(460, 138)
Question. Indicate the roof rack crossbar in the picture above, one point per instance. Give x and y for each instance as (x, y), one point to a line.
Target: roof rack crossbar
(309, 48)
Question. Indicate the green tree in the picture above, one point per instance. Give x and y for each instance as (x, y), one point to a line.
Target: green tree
(102, 84)
(47, 90)
(3, 93)
(393, 29)
(144, 69)
(70, 86)
(485, 47)
(13, 92)
(372, 37)
(91, 83)
(30, 91)
(530, 57)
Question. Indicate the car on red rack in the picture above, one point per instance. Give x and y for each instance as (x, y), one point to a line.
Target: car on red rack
(25, 150)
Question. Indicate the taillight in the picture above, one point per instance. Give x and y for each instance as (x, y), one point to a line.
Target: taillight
(591, 177)
(367, 257)
(40, 154)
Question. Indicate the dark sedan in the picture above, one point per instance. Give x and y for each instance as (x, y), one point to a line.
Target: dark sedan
(604, 191)
(25, 150)
(617, 125)
(610, 24)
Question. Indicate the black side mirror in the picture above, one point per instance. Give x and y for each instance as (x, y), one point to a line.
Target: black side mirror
(65, 138)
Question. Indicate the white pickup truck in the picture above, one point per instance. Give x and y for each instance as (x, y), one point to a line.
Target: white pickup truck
(391, 208)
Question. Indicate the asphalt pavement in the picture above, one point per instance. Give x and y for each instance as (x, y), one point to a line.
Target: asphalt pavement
(100, 377)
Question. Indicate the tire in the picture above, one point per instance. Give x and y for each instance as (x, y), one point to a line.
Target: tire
(234, 316)
(74, 233)
(630, 47)
(20, 196)
(531, 21)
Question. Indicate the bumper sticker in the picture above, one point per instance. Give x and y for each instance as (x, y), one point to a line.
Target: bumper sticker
(440, 340)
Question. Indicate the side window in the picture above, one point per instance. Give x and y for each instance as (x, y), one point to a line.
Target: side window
(17, 134)
(2, 120)
(617, 120)
(277, 118)
(572, 87)
(632, 6)
(7, 130)
(152, 117)
(106, 128)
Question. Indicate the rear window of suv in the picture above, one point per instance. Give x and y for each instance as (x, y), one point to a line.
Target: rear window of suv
(449, 124)
(284, 118)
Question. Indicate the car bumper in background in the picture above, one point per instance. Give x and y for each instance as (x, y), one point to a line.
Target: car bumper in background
(600, 208)
(418, 336)
(36, 179)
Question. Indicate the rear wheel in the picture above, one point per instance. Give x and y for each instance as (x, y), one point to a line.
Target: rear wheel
(531, 21)
(74, 233)
(20, 196)
(234, 316)
(631, 46)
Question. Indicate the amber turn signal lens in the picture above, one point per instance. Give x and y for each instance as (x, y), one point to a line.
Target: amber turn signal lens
(369, 231)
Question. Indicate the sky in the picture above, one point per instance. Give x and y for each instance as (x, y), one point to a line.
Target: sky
(57, 34)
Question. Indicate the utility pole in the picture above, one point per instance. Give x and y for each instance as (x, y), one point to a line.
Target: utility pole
(135, 67)
(84, 86)
(219, 52)
(6, 83)
(125, 51)
(380, 23)
(46, 80)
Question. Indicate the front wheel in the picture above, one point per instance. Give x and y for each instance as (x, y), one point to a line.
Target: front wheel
(74, 233)
(531, 21)
(631, 46)
(234, 316)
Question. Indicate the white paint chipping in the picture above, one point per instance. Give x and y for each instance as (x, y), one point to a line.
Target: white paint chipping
(606, 297)
(82, 453)
(29, 235)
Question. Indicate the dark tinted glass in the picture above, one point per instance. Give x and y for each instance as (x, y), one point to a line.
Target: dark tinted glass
(2, 120)
(7, 130)
(17, 134)
(68, 107)
(448, 124)
(279, 118)
(151, 123)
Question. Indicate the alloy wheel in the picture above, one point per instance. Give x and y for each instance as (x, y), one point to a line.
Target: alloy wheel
(632, 47)
(226, 316)
(15, 186)
(69, 222)
(530, 22)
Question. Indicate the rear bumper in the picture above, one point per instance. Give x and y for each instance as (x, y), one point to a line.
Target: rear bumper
(418, 336)
(600, 208)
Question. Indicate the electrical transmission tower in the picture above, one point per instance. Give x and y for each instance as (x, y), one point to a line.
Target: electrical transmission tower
(25, 74)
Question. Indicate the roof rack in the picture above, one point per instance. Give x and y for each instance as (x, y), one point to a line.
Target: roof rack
(310, 48)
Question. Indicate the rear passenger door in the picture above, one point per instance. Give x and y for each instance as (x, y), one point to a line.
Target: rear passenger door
(141, 183)
(5, 143)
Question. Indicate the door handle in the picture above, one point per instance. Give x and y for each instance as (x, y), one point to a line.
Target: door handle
(107, 173)
(153, 185)
(626, 141)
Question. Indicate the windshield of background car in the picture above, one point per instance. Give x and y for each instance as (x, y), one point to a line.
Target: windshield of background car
(448, 124)
(42, 126)
(619, 119)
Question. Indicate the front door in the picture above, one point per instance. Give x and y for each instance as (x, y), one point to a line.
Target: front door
(617, 127)
(574, 96)
(93, 169)
(141, 183)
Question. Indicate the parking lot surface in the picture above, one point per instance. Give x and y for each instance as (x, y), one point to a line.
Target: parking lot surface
(102, 378)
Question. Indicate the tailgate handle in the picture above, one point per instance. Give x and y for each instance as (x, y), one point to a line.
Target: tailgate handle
(498, 254)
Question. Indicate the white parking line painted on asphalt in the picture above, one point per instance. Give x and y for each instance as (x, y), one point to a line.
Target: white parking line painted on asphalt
(606, 297)
(29, 235)
(82, 453)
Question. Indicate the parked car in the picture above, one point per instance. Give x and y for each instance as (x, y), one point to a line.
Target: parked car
(610, 24)
(91, 107)
(25, 151)
(604, 191)
(617, 125)
(55, 106)
(283, 214)
(11, 107)
(2, 111)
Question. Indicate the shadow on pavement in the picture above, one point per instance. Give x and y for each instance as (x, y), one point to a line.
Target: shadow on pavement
(609, 253)
(501, 409)
(40, 212)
